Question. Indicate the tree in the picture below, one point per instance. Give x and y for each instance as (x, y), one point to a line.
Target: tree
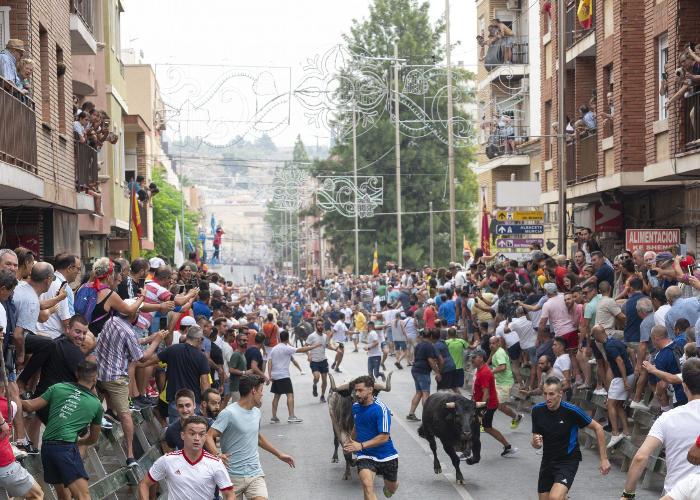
(423, 161)
(167, 209)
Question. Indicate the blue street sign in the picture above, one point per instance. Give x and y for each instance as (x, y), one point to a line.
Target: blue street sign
(508, 229)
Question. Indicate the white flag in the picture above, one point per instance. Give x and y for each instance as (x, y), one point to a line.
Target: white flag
(179, 257)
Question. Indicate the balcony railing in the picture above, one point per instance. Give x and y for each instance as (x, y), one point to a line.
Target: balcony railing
(86, 168)
(574, 30)
(692, 122)
(586, 168)
(83, 9)
(505, 141)
(507, 50)
(17, 128)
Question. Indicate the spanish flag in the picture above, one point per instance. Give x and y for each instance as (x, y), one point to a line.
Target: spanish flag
(375, 261)
(585, 14)
(135, 230)
(485, 234)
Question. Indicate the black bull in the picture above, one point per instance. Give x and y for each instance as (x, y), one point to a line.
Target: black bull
(454, 420)
(340, 401)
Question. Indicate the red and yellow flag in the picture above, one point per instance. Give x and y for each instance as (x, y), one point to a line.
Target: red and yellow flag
(485, 234)
(585, 14)
(375, 261)
(136, 231)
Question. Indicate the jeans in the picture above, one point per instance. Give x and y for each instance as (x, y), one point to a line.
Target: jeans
(373, 363)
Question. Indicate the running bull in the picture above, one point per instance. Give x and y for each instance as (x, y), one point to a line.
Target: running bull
(453, 419)
(340, 402)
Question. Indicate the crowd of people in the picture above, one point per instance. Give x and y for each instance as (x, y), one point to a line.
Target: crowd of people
(84, 350)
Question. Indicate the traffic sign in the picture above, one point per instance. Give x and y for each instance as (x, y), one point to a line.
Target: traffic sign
(508, 229)
(532, 215)
(518, 243)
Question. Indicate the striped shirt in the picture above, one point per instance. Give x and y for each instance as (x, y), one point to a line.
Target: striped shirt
(154, 294)
(116, 347)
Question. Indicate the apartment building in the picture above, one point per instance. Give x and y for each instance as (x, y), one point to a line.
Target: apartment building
(37, 170)
(635, 168)
(508, 93)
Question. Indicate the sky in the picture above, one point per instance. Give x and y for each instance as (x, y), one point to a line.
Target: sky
(230, 34)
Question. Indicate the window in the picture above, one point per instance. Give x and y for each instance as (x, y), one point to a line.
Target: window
(548, 63)
(482, 25)
(4, 25)
(60, 79)
(662, 51)
(547, 130)
(45, 75)
(608, 18)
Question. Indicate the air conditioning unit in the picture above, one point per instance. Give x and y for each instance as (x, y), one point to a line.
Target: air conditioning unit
(513, 4)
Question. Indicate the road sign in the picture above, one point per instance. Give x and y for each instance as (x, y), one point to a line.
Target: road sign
(518, 243)
(654, 240)
(533, 215)
(509, 229)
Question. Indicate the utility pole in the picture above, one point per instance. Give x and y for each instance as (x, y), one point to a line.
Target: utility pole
(561, 129)
(354, 175)
(397, 147)
(430, 208)
(450, 145)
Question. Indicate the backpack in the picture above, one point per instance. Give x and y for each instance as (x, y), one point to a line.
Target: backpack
(86, 300)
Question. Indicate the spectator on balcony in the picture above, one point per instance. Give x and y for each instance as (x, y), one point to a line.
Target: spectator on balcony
(79, 127)
(586, 124)
(9, 58)
(25, 67)
(687, 76)
(88, 107)
(507, 131)
(503, 36)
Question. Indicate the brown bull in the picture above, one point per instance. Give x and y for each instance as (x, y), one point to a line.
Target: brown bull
(340, 401)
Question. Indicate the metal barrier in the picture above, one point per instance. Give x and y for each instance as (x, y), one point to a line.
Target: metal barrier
(83, 9)
(691, 118)
(86, 167)
(18, 129)
(507, 50)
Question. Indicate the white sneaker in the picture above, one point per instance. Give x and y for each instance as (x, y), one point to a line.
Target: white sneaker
(615, 439)
(638, 405)
(600, 392)
(294, 420)
(19, 454)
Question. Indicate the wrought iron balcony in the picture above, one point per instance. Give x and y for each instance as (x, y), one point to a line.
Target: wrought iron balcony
(18, 129)
(691, 117)
(506, 50)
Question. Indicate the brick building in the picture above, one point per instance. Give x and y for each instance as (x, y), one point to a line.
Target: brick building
(641, 158)
(37, 171)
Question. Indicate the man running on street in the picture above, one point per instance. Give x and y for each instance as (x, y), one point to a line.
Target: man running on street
(278, 372)
(371, 441)
(555, 425)
(317, 358)
(340, 335)
(190, 473)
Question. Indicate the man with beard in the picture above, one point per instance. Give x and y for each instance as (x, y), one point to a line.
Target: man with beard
(317, 358)
(210, 404)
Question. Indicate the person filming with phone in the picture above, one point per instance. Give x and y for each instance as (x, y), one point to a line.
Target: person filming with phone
(66, 269)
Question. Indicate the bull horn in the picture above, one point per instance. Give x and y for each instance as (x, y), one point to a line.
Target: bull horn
(333, 389)
(451, 404)
(480, 404)
(386, 387)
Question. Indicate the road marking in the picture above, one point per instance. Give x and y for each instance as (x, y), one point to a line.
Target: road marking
(461, 489)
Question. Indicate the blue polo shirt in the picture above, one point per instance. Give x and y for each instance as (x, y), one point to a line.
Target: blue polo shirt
(370, 421)
(632, 321)
(448, 312)
(614, 349)
(605, 273)
(665, 361)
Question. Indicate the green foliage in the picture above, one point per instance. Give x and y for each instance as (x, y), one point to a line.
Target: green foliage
(423, 161)
(166, 209)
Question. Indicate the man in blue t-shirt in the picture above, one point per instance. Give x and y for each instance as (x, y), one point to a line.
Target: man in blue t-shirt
(632, 319)
(666, 360)
(371, 441)
(447, 311)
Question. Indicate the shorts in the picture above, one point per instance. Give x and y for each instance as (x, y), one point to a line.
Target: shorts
(389, 470)
(571, 339)
(531, 354)
(515, 351)
(141, 333)
(118, 392)
(16, 480)
(503, 392)
(617, 390)
(487, 418)
(446, 380)
(249, 487)
(458, 378)
(400, 345)
(62, 463)
(282, 386)
(319, 366)
(556, 472)
(421, 381)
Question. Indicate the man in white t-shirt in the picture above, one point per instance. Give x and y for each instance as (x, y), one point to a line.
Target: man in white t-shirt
(190, 473)
(67, 267)
(374, 352)
(340, 335)
(562, 365)
(278, 372)
(676, 430)
(317, 358)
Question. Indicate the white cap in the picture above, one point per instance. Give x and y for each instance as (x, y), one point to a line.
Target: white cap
(155, 262)
(188, 321)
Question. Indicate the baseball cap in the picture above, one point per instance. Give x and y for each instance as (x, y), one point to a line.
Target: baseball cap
(188, 321)
(155, 262)
(430, 301)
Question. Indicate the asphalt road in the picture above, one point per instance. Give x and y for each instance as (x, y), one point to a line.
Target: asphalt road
(494, 478)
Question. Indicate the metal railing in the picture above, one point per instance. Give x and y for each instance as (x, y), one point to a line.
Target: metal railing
(505, 141)
(83, 9)
(691, 119)
(86, 167)
(507, 50)
(586, 168)
(17, 128)
(574, 30)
